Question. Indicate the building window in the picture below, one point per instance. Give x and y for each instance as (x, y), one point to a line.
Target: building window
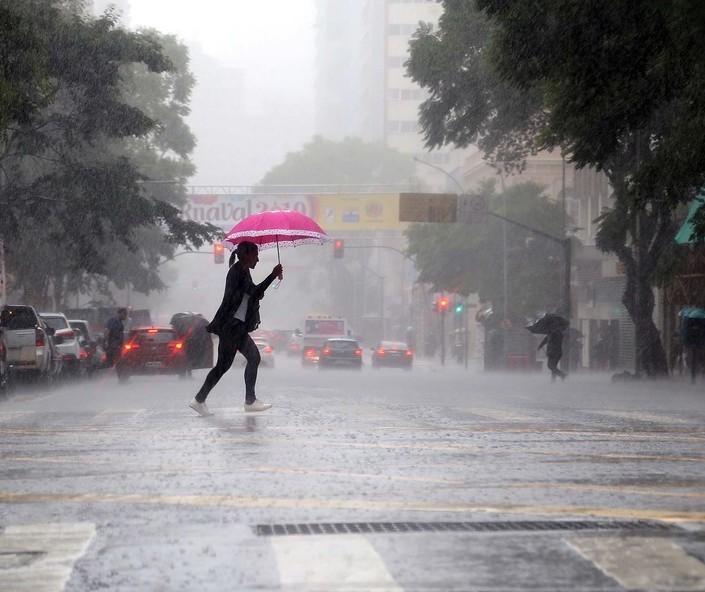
(402, 127)
(406, 94)
(402, 29)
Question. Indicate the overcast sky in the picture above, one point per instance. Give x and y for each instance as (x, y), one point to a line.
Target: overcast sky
(264, 36)
(260, 106)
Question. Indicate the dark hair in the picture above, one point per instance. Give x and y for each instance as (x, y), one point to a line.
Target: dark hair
(245, 248)
(122, 309)
(233, 257)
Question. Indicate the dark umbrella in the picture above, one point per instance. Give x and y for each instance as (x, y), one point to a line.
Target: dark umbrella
(548, 323)
(183, 321)
(199, 345)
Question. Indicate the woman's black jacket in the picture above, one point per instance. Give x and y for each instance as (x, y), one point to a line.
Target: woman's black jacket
(237, 284)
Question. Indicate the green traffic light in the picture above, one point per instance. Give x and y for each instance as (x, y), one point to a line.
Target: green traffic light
(459, 308)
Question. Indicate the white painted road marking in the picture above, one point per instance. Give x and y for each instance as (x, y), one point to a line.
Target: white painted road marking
(340, 562)
(643, 563)
(44, 553)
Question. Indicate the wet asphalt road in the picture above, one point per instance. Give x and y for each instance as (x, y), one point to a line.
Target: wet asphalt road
(437, 479)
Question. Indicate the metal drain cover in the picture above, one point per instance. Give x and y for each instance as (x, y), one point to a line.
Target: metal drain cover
(401, 527)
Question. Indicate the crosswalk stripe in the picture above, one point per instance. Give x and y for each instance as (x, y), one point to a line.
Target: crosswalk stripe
(44, 555)
(643, 563)
(323, 563)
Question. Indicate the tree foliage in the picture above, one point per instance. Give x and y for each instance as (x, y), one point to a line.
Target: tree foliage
(616, 86)
(468, 258)
(324, 162)
(349, 162)
(71, 185)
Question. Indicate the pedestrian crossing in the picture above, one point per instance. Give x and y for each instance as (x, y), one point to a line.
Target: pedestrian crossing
(653, 563)
(41, 558)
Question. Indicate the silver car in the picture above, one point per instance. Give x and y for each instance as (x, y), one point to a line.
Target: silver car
(66, 341)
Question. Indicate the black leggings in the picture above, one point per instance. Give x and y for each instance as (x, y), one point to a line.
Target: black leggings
(553, 367)
(237, 339)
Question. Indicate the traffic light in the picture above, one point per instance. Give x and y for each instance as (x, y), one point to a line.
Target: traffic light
(443, 305)
(218, 253)
(459, 308)
(338, 248)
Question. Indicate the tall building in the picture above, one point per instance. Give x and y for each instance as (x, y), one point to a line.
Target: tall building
(361, 85)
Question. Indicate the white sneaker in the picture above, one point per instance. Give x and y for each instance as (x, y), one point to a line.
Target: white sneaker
(257, 406)
(200, 408)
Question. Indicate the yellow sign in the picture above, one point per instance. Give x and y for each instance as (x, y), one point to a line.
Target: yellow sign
(337, 212)
(428, 207)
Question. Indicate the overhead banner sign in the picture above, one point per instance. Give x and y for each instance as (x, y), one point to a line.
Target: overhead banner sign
(335, 212)
(428, 207)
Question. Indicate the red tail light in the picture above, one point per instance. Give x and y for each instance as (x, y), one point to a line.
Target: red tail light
(381, 351)
(409, 353)
(177, 345)
(310, 353)
(358, 352)
(129, 346)
(325, 351)
(38, 337)
(268, 349)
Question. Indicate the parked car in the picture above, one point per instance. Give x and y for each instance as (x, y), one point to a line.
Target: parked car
(152, 350)
(340, 353)
(91, 347)
(266, 352)
(66, 342)
(392, 354)
(30, 347)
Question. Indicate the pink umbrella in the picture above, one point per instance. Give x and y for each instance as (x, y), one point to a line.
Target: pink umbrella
(272, 228)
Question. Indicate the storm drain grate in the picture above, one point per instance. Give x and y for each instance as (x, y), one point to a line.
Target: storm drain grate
(400, 527)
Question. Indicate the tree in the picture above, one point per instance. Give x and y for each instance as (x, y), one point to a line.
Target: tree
(614, 85)
(350, 162)
(467, 258)
(67, 190)
(324, 162)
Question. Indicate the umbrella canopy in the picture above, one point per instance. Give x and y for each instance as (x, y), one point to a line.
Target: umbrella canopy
(692, 312)
(683, 237)
(183, 321)
(548, 323)
(273, 228)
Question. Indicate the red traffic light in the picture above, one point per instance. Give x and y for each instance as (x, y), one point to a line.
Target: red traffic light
(218, 253)
(443, 304)
(338, 248)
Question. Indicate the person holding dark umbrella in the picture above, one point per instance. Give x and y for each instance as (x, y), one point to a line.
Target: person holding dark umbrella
(237, 315)
(554, 351)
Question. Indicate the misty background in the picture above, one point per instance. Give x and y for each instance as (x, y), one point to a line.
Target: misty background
(253, 103)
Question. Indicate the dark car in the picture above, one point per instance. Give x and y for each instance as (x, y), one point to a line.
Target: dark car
(152, 350)
(392, 354)
(340, 353)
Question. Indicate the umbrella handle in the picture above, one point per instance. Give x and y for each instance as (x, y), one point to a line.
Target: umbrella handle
(277, 281)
